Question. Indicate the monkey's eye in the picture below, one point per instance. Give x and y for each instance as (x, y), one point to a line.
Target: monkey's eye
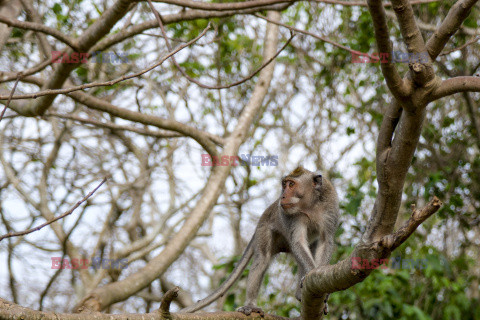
(291, 183)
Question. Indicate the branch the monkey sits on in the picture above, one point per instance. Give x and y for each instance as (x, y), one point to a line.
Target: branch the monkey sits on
(302, 222)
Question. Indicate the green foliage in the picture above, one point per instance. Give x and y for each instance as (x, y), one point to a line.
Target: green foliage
(442, 290)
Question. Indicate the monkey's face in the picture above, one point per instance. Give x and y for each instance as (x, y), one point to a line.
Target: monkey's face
(298, 193)
(291, 195)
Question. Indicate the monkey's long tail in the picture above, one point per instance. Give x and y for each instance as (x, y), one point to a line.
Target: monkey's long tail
(232, 278)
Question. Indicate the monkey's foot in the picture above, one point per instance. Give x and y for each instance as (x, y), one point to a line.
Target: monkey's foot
(247, 310)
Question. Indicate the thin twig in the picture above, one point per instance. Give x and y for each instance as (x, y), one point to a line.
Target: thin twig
(22, 233)
(112, 126)
(336, 44)
(202, 85)
(466, 44)
(10, 97)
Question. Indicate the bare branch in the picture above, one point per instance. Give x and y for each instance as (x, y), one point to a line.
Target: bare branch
(22, 233)
(112, 126)
(166, 300)
(223, 6)
(452, 22)
(205, 139)
(10, 97)
(394, 240)
(408, 27)
(456, 85)
(11, 311)
(336, 44)
(259, 3)
(40, 27)
(463, 46)
(394, 82)
(9, 76)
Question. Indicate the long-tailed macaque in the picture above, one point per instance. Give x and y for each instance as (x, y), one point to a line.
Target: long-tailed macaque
(303, 222)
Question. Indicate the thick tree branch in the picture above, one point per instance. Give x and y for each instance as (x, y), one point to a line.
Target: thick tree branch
(408, 27)
(259, 3)
(224, 6)
(395, 83)
(205, 139)
(113, 126)
(456, 85)
(421, 72)
(11, 311)
(40, 27)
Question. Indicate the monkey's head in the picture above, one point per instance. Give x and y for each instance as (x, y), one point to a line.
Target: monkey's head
(301, 189)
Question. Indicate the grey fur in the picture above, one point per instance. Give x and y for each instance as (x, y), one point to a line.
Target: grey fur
(306, 229)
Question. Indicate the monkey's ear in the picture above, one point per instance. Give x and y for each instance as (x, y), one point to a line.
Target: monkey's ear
(317, 181)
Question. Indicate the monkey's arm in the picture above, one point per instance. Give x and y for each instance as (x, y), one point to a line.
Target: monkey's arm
(236, 273)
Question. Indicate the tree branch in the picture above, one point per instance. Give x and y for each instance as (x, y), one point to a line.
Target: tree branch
(452, 22)
(42, 28)
(394, 82)
(166, 300)
(11, 311)
(456, 85)
(22, 233)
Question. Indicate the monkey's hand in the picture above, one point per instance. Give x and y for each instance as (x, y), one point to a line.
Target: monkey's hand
(247, 310)
(325, 307)
(301, 281)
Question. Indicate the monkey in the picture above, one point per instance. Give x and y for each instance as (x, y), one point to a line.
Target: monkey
(302, 222)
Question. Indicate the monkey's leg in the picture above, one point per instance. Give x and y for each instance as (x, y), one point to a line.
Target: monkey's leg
(323, 252)
(301, 251)
(261, 261)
